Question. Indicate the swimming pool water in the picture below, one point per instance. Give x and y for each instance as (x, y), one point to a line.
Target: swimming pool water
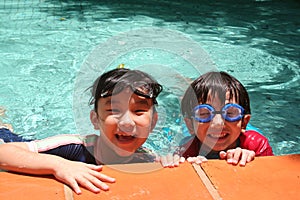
(45, 43)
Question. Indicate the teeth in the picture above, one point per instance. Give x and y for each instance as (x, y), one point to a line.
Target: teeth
(123, 134)
(217, 135)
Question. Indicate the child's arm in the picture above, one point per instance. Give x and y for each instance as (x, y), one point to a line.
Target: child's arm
(16, 157)
(238, 155)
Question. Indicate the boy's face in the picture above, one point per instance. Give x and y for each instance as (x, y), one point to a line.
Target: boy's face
(125, 121)
(218, 134)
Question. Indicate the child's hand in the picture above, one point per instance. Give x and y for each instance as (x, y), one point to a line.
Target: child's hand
(171, 160)
(198, 160)
(238, 155)
(87, 175)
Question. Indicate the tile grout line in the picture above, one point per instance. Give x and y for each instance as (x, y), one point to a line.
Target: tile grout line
(68, 193)
(206, 181)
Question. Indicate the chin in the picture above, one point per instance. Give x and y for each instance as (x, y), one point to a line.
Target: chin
(124, 153)
(218, 148)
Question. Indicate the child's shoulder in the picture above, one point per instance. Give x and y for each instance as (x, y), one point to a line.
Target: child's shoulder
(255, 141)
(64, 139)
(252, 135)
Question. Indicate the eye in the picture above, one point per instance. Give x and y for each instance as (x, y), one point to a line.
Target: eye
(113, 111)
(203, 113)
(140, 107)
(232, 112)
(139, 110)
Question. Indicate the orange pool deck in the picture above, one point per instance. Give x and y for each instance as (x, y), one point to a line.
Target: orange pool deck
(274, 177)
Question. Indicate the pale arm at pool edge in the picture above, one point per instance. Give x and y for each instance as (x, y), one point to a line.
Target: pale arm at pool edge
(20, 159)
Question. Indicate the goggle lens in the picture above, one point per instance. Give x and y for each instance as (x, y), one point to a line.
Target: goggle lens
(230, 112)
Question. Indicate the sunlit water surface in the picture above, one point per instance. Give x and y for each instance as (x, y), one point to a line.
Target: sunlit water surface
(45, 43)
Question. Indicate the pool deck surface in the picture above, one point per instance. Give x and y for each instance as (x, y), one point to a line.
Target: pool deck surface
(273, 177)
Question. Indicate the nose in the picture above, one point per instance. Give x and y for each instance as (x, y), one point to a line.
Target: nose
(217, 121)
(126, 124)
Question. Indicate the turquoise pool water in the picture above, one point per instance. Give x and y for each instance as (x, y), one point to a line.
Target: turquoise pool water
(45, 44)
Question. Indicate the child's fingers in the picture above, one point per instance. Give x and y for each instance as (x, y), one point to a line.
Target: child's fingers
(95, 167)
(191, 159)
(181, 160)
(102, 177)
(169, 160)
(73, 184)
(200, 159)
(247, 156)
(76, 188)
(204, 159)
(222, 155)
(229, 156)
(91, 184)
(176, 160)
(95, 180)
(244, 159)
(251, 156)
(172, 160)
(197, 160)
(237, 155)
(163, 161)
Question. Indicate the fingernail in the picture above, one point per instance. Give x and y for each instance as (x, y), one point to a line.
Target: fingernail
(105, 187)
(113, 180)
(78, 192)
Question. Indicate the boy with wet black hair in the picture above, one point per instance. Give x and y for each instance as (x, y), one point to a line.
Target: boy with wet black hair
(124, 113)
(216, 110)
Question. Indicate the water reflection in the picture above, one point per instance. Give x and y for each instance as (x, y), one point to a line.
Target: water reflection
(245, 39)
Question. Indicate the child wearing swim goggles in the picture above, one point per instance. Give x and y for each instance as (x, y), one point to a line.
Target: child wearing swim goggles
(124, 112)
(216, 110)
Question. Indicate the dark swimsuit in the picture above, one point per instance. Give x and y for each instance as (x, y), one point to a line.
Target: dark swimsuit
(8, 136)
(75, 151)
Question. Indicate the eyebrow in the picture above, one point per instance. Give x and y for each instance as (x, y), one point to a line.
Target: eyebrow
(109, 102)
(142, 102)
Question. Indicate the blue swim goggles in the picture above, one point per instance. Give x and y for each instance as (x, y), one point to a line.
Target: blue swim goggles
(230, 112)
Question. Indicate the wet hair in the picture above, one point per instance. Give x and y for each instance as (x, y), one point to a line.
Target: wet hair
(117, 80)
(214, 84)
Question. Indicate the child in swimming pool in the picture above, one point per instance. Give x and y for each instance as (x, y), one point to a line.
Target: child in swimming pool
(124, 113)
(216, 110)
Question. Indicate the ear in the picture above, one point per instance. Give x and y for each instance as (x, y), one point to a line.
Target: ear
(189, 125)
(94, 119)
(245, 121)
(154, 120)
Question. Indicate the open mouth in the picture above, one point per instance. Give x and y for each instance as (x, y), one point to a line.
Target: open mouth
(218, 136)
(125, 138)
